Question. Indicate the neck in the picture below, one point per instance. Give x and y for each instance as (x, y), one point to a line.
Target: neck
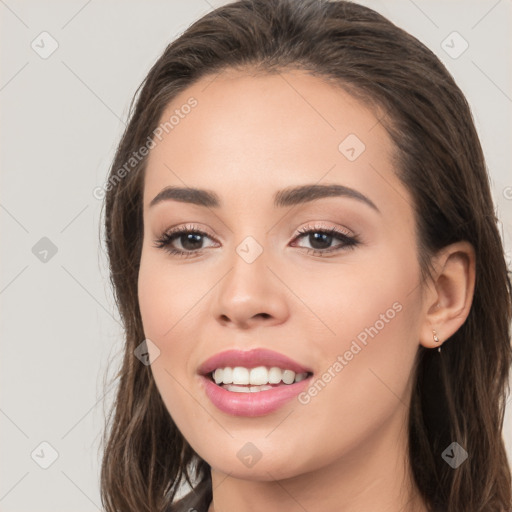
(373, 476)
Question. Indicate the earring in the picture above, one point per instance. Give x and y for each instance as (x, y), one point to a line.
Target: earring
(436, 339)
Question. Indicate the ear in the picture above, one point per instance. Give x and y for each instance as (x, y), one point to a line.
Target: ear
(450, 294)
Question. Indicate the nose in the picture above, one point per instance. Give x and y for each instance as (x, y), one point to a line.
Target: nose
(250, 294)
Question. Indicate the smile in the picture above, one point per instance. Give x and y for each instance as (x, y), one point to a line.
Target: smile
(252, 382)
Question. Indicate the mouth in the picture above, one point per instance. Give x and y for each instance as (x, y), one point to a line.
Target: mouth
(252, 383)
(252, 380)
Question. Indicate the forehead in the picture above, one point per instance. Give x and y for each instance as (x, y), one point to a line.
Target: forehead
(250, 132)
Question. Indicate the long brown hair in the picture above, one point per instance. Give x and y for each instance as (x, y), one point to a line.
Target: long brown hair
(460, 393)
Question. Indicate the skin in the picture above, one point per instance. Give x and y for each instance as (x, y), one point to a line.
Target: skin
(249, 136)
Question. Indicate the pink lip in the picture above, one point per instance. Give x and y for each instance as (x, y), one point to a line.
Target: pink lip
(251, 403)
(250, 359)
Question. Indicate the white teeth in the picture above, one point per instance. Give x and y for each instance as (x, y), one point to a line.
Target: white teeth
(240, 375)
(238, 389)
(274, 375)
(246, 389)
(217, 376)
(288, 376)
(260, 388)
(227, 376)
(258, 376)
(300, 376)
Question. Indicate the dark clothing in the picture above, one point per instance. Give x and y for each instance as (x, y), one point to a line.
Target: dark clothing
(197, 500)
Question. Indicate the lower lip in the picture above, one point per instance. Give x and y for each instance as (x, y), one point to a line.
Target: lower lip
(253, 403)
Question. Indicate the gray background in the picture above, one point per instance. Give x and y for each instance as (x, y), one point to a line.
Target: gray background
(62, 117)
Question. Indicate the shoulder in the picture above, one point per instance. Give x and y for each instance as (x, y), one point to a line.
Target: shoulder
(197, 500)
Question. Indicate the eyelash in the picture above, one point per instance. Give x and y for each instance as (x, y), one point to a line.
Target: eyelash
(164, 242)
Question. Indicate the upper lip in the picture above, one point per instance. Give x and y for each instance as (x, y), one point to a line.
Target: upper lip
(250, 359)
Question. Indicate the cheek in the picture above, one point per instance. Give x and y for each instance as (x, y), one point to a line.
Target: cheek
(168, 297)
(365, 380)
(368, 353)
(372, 295)
(162, 305)
(171, 301)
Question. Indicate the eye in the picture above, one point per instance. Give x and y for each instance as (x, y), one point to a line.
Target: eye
(190, 239)
(321, 239)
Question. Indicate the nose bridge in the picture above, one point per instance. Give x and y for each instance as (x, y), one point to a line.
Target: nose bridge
(249, 237)
(249, 288)
(248, 262)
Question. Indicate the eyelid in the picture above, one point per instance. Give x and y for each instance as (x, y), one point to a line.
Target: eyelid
(348, 237)
(319, 226)
(309, 226)
(188, 227)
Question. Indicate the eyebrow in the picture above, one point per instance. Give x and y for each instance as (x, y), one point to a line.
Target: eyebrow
(287, 197)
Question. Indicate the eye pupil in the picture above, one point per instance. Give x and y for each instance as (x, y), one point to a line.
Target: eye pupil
(191, 238)
(323, 238)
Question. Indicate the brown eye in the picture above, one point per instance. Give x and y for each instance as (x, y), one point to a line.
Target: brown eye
(191, 241)
(320, 240)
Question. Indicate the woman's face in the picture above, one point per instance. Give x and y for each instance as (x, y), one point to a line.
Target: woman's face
(266, 273)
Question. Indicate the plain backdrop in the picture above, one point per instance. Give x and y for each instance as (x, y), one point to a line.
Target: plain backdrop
(62, 114)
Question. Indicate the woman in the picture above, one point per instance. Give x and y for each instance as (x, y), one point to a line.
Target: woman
(304, 252)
